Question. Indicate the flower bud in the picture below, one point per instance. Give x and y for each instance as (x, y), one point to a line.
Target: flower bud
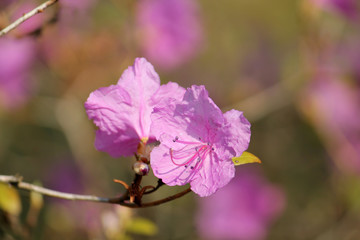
(141, 168)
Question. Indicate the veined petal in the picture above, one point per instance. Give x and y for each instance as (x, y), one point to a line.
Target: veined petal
(141, 82)
(104, 105)
(214, 174)
(123, 143)
(165, 92)
(110, 109)
(196, 116)
(203, 114)
(234, 137)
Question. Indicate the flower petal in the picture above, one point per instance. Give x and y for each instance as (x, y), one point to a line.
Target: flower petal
(196, 115)
(234, 137)
(122, 111)
(164, 169)
(141, 82)
(214, 174)
(110, 108)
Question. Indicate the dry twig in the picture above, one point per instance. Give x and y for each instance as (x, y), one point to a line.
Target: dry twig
(26, 16)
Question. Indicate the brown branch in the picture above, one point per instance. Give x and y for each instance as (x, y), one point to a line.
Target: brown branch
(123, 200)
(159, 184)
(26, 16)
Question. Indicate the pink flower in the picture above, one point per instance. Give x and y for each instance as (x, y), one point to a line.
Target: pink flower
(16, 59)
(333, 108)
(197, 142)
(244, 209)
(170, 31)
(122, 111)
(349, 8)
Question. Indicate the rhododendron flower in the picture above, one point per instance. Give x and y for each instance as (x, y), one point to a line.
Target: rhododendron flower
(243, 209)
(197, 142)
(122, 111)
(170, 31)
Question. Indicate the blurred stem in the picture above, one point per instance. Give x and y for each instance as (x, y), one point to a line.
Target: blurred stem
(267, 101)
(17, 182)
(26, 16)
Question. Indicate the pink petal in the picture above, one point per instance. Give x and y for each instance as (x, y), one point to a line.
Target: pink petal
(163, 167)
(141, 82)
(214, 174)
(235, 133)
(111, 110)
(196, 115)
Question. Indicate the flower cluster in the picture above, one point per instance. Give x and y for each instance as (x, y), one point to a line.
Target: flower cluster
(197, 140)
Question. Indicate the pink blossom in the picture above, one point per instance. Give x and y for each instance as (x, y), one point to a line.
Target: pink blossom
(242, 210)
(16, 59)
(122, 111)
(197, 142)
(349, 8)
(333, 107)
(170, 31)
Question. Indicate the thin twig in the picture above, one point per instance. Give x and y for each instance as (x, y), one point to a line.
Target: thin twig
(18, 183)
(123, 200)
(26, 16)
(159, 184)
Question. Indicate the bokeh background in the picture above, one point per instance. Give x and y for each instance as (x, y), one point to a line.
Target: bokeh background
(293, 67)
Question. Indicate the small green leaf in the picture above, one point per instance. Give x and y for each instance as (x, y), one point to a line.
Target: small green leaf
(9, 199)
(142, 226)
(246, 157)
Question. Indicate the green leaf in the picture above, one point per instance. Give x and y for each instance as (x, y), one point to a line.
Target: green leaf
(246, 157)
(142, 226)
(9, 199)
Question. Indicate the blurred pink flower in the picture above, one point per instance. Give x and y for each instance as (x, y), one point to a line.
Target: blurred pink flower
(243, 209)
(197, 142)
(16, 58)
(333, 107)
(349, 8)
(170, 31)
(122, 111)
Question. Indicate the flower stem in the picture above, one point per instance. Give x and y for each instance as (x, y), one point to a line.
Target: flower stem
(16, 181)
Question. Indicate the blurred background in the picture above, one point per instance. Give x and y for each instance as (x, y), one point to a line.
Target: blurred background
(293, 67)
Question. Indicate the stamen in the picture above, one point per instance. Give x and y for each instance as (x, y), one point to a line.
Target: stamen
(190, 156)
